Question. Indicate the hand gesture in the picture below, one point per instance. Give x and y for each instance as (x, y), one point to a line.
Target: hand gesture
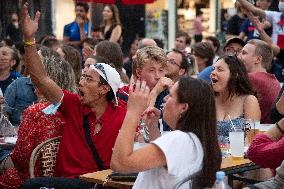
(163, 83)
(29, 26)
(151, 116)
(138, 97)
(258, 25)
(87, 52)
(80, 21)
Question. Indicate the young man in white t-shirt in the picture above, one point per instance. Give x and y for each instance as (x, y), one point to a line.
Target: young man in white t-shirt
(275, 18)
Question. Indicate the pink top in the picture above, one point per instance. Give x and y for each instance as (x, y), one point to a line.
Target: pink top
(197, 26)
(265, 152)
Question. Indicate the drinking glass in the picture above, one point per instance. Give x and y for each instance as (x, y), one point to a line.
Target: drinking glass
(250, 130)
(224, 144)
(237, 143)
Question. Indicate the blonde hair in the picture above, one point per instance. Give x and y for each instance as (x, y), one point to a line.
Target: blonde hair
(60, 71)
(264, 50)
(148, 54)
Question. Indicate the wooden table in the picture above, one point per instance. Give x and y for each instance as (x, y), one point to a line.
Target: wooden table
(101, 176)
(229, 165)
(233, 166)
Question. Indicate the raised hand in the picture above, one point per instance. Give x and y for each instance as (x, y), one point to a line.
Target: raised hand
(258, 25)
(87, 52)
(138, 97)
(29, 26)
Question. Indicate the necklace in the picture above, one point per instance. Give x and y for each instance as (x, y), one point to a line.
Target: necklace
(98, 127)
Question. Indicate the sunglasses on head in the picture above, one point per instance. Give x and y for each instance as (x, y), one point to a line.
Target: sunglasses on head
(102, 69)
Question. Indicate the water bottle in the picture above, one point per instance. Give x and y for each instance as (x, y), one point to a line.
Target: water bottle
(220, 182)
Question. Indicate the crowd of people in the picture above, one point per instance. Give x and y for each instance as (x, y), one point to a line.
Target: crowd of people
(84, 90)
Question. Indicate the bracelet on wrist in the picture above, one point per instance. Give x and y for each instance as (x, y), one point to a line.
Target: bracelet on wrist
(279, 128)
(29, 43)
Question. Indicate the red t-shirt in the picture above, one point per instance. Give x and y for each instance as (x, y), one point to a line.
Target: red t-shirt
(75, 157)
(267, 88)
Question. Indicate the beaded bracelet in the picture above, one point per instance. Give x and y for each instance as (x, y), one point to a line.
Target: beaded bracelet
(29, 43)
(279, 128)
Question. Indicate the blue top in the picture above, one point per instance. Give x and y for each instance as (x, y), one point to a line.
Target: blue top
(205, 74)
(224, 127)
(159, 104)
(250, 30)
(18, 96)
(72, 30)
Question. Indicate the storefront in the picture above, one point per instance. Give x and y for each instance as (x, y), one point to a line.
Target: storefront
(160, 15)
(162, 19)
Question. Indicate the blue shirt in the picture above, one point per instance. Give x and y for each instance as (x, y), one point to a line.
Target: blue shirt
(205, 74)
(18, 96)
(72, 30)
(159, 105)
(251, 32)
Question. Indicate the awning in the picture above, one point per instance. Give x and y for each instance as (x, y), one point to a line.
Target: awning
(127, 2)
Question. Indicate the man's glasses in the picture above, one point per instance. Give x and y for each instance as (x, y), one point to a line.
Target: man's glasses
(171, 61)
(86, 79)
(232, 51)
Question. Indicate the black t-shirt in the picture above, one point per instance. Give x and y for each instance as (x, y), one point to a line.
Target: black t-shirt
(280, 56)
(234, 25)
(4, 84)
(14, 33)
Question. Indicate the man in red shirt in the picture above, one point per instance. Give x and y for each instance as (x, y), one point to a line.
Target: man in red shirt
(257, 56)
(93, 118)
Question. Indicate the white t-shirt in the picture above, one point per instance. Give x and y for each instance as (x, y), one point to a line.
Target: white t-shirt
(184, 155)
(274, 17)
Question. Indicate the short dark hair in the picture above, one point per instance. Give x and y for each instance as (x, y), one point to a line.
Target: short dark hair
(110, 94)
(50, 42)
(185, 35)
(92, 42)
(100, 59)
(204, 50)
(84, 5)
(215, 41)
(159, 42)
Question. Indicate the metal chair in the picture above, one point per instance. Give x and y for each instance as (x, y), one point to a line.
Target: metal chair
(47, 151)
(190, 179)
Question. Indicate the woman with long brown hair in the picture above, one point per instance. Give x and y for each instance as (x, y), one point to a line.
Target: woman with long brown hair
(235, 98)
(190, 149)
(112, 29)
